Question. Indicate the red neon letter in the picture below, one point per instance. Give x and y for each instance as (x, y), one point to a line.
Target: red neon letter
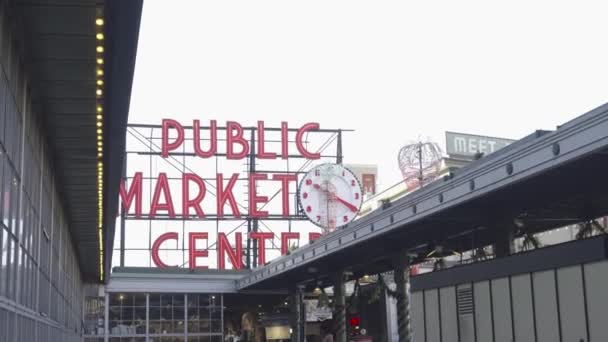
(212, 139)
(254, 199)
(226, 194)
(300, 142)
(261, 153)
(162, 184)
(135, 190)
(156, 246)
(186, 201)
(261, 237)
(313, 236)
(166, 146)
(285, 237)
(284, 140)
(194, 253)
(235, 138)
(223, 246)
(285, 179)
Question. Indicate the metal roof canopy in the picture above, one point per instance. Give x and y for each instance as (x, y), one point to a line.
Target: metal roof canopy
(556, 178)
(59, 51)
(178, 280)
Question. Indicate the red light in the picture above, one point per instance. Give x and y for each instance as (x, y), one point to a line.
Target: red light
(354, 321)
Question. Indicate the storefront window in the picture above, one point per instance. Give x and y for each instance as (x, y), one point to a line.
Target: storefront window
(127, 314)
(204, 314)
(166, 317)
(167, 313)
(94, 312)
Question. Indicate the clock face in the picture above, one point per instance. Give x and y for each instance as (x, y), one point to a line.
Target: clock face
(330, 195)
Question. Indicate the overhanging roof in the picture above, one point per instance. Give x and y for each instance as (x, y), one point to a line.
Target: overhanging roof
(555, 178)
(178, 280)
(59, 46)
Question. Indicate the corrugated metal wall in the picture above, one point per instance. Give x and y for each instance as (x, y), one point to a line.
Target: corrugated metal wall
(559, 305)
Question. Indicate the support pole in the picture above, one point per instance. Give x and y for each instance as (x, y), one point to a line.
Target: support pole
(401, 264)
(123, 214)
(504, 242)
(340, 307)
(299, 315)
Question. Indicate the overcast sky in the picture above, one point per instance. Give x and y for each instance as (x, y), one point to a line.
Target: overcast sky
(395, 71)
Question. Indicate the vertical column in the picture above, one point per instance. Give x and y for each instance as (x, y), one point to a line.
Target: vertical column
(186, 316)
(340, 307)
(503, 245)
(106, 317)
(147, 316)
(401, 264)
(339, 155)
(123, 215)
(298, 323)
(222, 313)
(295, 315)
(254, 222)
(301, 310)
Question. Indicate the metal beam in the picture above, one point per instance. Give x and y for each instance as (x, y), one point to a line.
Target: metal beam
(530, 157)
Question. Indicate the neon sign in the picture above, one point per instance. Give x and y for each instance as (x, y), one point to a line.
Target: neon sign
(194, 192)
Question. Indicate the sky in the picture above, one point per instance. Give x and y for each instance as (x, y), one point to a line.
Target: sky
(394, 71)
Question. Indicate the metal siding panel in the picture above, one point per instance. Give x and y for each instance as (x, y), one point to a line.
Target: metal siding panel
(418, 316)
(347, 238)
(456, 192)
(403, 214)
(596, 282)
(545, 302)
(449, 319)
(522, 308)
(427, 204)
(431, 308)
(483, 313)
(333, 244)
(489, 178)
(467, 322)
(501, 305)
(383, 223)
(571, 303)
(364, 231)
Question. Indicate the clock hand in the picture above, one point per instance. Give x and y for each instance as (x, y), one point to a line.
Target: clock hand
(334, 196)
(348, 205)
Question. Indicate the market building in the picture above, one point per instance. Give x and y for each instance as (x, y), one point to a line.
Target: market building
(246, 237)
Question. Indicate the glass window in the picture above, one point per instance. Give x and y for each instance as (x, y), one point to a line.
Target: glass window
(204, 313)
(10, 279)
(9, 130)
(3, 261)
(5, 45)
(127, 314)
(6, 198)
(14, 217)
(94, 315)
(2, 105)
(167, 313)
(18, 273)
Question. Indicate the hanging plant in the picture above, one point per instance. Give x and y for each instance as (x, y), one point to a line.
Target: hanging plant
(353, 301)
(588, 229)
(530, 242)
(323, 299)
(439, 264)
(380, 288)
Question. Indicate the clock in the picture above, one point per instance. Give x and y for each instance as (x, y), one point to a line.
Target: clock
(330, 195)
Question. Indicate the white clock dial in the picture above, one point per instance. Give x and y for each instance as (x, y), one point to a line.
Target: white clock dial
(330, 195)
